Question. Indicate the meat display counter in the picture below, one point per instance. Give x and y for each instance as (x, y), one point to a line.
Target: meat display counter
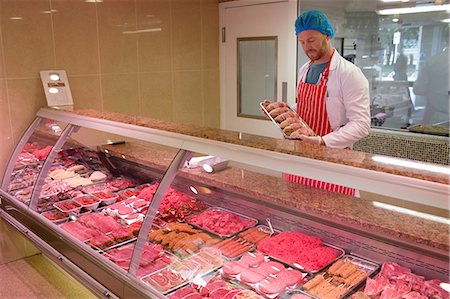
(134, 207)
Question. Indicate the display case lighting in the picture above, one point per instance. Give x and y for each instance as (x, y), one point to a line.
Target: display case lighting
(210, 168)
(445, 286)
(193, 189)
(410, 212)
(412, 164)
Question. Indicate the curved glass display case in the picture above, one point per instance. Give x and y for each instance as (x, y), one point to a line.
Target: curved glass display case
(136, 207)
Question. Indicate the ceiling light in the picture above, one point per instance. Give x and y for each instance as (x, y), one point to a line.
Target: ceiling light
(412, 164)
(445, 20)
(53, 90)
(415, 9)
(389, 1)
(193, 189)
(142, 31)
(395, 20)
(16, 18)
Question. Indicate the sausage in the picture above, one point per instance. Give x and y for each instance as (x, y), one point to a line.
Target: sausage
(289, 121)
(266, 103)
(349, 270)
(277, 111)
(314, 282)
(223, 243)
(239, 251)
(335, 266)
(356, 279)
(280, 118)
(274, 105)
(291, 128)
(302, 131)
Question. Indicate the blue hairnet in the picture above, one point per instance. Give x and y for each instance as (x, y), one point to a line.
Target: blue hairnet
(313, 20)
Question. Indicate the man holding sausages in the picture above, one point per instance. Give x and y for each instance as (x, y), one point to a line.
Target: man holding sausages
(333, 94)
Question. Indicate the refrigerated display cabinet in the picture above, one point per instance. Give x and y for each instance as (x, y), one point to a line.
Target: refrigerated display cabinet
(72, 181)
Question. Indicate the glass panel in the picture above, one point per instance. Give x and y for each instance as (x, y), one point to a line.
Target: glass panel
(403, 54)
(257, 74)
(99, 189)
(32, 157)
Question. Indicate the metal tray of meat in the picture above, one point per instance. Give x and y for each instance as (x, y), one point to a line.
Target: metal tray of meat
(246, 247)
(264, 110)
(262, 228)
(364, 265)
(161, 275)
(208, 262)
(254, 221)
(115, 245)
(203, 280)
(297, 266)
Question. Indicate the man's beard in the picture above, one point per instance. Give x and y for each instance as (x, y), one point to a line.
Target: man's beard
(317, 54)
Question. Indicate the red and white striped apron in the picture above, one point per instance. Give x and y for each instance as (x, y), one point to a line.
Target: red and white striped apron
(311, 107)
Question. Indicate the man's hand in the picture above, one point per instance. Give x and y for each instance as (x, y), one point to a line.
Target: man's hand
(312, 139)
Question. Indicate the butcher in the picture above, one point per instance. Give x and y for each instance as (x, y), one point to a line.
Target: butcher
(333, 94)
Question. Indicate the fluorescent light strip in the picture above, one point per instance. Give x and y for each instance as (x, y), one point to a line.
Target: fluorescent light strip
(412, 164)
(416, 9)
(142, 31)
(411, 212)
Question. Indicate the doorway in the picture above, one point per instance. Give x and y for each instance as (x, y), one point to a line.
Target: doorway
(257, 61)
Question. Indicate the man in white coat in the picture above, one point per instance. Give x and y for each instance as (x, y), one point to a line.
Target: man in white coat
(333, 94)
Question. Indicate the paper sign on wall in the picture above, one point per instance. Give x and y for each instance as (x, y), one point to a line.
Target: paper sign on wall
(56, 88)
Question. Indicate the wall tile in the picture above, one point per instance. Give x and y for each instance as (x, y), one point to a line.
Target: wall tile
(86, 92)
(210, 34)
(211, 98)
(26, 96)
(76, 43)
(28, 42)
(120, 93)
(186, 36)
(118, 46)
(2, 67)
(156, 95)
(187, 97)
(6, 141)
(155, 53)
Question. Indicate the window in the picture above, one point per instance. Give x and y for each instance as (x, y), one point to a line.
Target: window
(403, 54)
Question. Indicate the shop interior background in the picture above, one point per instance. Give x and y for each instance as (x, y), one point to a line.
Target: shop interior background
(160, 58)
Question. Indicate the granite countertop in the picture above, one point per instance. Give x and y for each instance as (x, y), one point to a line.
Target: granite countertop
(292, 147)
(347, 210)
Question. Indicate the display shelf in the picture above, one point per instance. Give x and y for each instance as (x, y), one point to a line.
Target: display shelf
(155, 152)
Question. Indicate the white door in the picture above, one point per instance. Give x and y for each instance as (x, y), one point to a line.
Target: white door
(257, 61)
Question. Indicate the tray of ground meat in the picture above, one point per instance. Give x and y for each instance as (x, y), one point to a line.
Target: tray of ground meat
(221, 222)
(301, 251)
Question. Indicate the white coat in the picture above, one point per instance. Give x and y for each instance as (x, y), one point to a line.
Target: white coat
(347, 102)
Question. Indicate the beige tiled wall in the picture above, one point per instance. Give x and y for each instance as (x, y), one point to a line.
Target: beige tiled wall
(156, 58)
